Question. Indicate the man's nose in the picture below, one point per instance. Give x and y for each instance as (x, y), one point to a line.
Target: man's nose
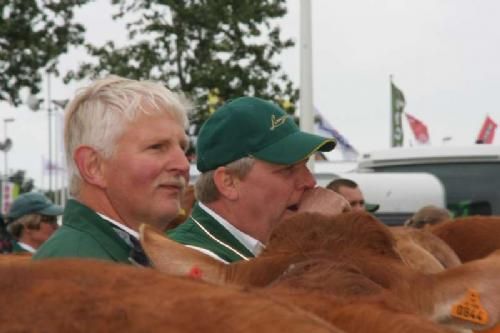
(307, 179)
(179, 162)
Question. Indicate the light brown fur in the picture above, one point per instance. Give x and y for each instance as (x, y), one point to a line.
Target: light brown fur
(353, 256)
(60, 296)
(423, 251)
(471, 237)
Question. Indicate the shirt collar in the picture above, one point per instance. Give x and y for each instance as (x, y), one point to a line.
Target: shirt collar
(253, 245)
(121, 226)
(27, 247)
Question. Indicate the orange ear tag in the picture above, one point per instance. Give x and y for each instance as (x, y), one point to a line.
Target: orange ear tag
(470, 309)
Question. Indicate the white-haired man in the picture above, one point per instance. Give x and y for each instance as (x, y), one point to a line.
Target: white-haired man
(125, 146)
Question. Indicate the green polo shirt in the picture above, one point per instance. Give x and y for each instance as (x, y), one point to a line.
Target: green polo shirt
(84, 234)
(203, 231)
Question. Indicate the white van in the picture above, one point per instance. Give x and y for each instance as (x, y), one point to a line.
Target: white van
(399, 194)
(470, 174)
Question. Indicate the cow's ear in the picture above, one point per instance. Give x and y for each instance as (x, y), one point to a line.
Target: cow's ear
(176, 259)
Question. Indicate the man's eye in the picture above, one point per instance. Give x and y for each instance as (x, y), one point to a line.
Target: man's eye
(289, 169)
(156, 146)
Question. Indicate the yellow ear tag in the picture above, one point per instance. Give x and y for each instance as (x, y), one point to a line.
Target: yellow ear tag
(470, 309)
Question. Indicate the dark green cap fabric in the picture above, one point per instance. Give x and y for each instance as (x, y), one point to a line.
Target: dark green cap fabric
(33, 203)
(250, 126)
(372, 208)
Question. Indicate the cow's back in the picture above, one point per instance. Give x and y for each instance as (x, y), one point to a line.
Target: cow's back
(471, 237)
(92, 296)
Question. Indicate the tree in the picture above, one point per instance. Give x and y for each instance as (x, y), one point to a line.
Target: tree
(33, 34)
(212, 50)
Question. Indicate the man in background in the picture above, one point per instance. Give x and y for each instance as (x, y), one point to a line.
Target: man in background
(351, 191)
(32, 219)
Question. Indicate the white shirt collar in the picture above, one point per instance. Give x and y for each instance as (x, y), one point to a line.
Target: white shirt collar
(27, 247)
(131, 232)
(253, 245)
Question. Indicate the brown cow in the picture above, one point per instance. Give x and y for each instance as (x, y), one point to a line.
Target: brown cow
(373, 313)
(60, 296)
(354, 240)
(471, 237)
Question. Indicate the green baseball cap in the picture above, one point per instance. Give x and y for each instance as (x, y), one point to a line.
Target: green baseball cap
(371, 208)
(33, 203)
(250, 126)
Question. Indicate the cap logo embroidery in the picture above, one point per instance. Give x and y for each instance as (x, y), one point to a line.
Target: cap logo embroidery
(277, 122)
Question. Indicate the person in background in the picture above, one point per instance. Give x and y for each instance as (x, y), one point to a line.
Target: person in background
(32, 219)
(5, 237)
(125, 148)
(428, 216)
(252, 158)
(351, 191)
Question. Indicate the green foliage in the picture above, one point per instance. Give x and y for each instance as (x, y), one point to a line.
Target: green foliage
(33, 34)
(212, 50)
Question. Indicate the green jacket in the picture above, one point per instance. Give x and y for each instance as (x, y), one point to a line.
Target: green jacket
(189, 233)
(84, 234)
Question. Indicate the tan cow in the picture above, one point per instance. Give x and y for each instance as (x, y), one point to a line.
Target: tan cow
(60, 296)
(362, 247)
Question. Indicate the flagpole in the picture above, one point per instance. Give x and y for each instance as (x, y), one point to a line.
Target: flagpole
(306, 72)
(49, 120)
(391, 116)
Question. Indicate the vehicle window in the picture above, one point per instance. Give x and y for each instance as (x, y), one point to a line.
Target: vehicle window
(463, 182)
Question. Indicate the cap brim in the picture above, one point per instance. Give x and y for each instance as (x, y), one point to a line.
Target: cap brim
(294, 148)
(53, 210)
(372, 208)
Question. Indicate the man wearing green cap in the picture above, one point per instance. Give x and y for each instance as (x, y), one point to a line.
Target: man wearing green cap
(32, 219)
(252, 158)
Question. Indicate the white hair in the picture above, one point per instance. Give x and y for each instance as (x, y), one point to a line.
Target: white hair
(205, 188)
(99, 114)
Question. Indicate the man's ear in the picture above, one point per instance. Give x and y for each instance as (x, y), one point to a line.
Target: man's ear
(89, 163)
(226, 183)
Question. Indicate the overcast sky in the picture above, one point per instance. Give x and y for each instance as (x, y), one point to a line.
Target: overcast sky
(443, 55)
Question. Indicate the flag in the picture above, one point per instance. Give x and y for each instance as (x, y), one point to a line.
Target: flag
(349, 153)
(398, 104)
(487, 132)
(51, 167)
(419, 129)
(9, 192)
